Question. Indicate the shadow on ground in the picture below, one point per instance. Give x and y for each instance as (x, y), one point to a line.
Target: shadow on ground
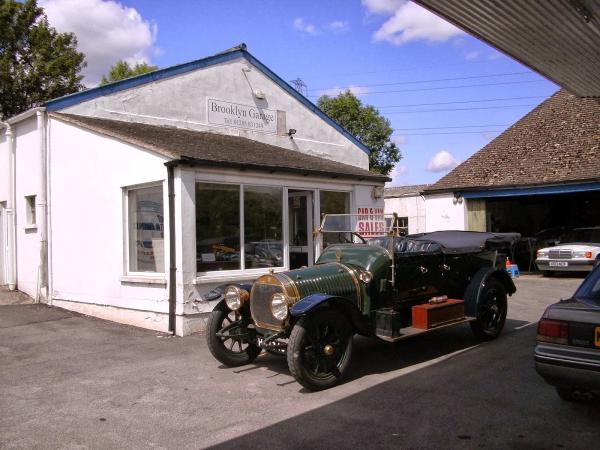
(489, 397)
(372, 356)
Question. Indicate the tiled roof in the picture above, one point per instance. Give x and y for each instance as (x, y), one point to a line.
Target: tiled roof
(212, 149)
(557, 142)
(404, 191)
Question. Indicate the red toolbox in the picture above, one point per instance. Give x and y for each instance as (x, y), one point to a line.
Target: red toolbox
(428, 316)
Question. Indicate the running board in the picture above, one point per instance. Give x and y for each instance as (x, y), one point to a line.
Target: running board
(409, 332)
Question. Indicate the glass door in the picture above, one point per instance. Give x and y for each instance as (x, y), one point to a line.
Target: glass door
(300, 222)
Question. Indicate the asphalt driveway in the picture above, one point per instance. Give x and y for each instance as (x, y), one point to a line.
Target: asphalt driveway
(69, 381)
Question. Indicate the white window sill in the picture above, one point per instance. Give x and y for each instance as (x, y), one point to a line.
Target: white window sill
(216, 277)
(30, 227)
(143, 280)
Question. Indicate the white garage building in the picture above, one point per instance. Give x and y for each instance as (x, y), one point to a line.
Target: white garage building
(132, 200)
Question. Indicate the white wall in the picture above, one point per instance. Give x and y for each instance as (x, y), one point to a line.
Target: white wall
(412, 207)
(88, 172)
(442, 214)
(182, 101)
(28, 182)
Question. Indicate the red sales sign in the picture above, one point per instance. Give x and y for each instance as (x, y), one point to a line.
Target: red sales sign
(370, 222)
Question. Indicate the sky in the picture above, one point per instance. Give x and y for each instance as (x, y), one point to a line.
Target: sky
(445, 93)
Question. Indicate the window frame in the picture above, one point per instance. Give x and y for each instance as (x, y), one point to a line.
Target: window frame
(287, 182)
(30, 212)
(242, 229)
(134, 276)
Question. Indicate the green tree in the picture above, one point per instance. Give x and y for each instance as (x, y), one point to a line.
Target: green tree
(122, 70)
(370, 127)
(36, 62)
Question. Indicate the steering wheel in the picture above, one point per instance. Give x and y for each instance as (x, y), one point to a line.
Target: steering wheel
(342, 237)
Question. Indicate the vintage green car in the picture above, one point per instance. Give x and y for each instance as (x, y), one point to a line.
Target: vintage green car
(365, 286)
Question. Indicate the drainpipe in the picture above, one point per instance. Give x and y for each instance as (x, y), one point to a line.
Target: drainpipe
(11, 221)
(42, 207)
(172, 266)
(48, 216)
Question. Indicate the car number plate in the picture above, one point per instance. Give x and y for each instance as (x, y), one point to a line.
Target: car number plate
(559, 264)
(597, 337)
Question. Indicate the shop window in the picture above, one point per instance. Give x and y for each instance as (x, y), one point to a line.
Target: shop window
(219, 237)
(146, 229)
(263, 225)
(217, 227)
(333, 202)
(30, 210)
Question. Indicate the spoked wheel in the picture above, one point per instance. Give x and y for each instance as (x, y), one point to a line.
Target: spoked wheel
(228, 337)
(319, 349)
(491, 313)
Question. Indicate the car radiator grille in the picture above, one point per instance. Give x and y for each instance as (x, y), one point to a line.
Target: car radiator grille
(260, 305)
(560, 254)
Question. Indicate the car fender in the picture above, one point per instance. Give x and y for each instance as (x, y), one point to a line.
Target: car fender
(473, 291)
(311, 302)
(218, 293)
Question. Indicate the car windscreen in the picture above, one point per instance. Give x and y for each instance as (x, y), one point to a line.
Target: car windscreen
(590, 288)
(582, 235)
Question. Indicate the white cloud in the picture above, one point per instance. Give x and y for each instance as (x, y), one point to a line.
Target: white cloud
(106, 32)
(339, 26)
(400, 139)
(410, 22)
(442, 161)
(303, 27)
(472, 55)
(335, 91)
(382, 6)
(398, 175)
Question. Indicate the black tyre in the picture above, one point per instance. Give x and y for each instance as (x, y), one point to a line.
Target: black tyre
(228, 338)
(319, 349)
(491, 313)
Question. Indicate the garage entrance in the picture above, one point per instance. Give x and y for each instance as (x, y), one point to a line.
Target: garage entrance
(541, 219)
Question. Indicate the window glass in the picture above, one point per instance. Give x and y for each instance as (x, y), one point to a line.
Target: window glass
(146, 230)
(263, 225)
(217, 227)
(334, 203)
(30, 212)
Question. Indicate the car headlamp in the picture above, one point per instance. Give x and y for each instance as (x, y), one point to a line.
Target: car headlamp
(365, 277)
(235, 297)
(279, 306)
(582, 254)
(542, 253)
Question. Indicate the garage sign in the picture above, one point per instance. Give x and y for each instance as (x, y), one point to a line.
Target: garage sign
(241, 116)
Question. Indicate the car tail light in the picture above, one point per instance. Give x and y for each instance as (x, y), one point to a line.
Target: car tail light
(555, 331)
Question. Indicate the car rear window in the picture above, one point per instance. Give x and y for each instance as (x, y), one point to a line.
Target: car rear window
(590, 288)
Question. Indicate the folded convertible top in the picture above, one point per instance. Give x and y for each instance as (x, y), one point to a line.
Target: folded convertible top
(465, 241)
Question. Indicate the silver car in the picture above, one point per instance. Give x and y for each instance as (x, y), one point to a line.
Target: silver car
(578, 251)
(567, 354)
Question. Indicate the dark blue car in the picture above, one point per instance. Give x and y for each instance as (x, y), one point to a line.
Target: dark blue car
(567, 354)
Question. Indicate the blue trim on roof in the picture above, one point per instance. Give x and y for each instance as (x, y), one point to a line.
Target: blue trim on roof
(90, 94)
(535, 190)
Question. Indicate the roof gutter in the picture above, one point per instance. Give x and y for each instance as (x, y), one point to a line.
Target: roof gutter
(293, 170)
(508, 188)
(25, 115)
